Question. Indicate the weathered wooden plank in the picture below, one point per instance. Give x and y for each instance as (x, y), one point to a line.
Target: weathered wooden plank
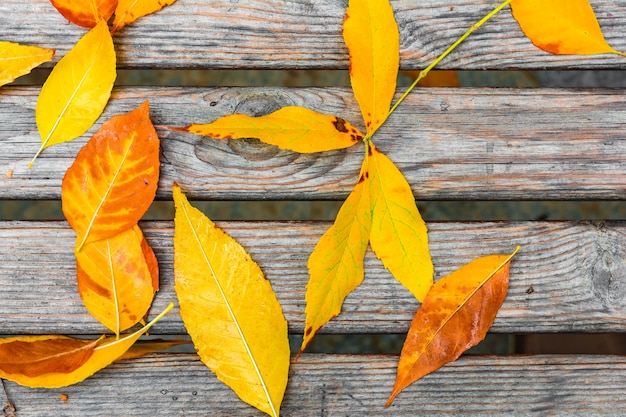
(568, 277)
(307, 34)
(489, 144)
(340, 385)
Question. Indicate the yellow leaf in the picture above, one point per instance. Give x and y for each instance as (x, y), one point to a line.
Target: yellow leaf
(114, 280)
(561, 27)
(229, 309)
(371, 34)
(336, 264)
(77, 90)
(128, 11)
(455, 315)
(294, 128)
(106, 352)
(399, 236)
(17, 60)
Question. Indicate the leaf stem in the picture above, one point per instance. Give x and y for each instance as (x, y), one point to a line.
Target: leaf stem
(425, 71)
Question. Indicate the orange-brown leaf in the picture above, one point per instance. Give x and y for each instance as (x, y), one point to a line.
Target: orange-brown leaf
(114, 178)
(85, 13)
(128, 11)
(561, 27)
(336, 264)
(294, 128)
(455, 315)
(76, 366)
(115, 280)
(371, 34)
(17, 60)
(37, 355)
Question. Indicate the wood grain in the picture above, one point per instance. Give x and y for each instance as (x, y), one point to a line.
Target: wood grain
(307, 34)
(466, 144)
(577, 272)
(340, 385)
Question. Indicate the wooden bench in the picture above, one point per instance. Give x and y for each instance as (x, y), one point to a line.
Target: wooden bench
(451, 144)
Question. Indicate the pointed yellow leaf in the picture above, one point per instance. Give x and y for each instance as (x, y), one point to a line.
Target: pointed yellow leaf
(399, 236)
(128, 11)
(106, 352)
(455, 315)
(371, 34)
(17, 60)
(294, 128)
(114, 280)
(77, 90)
(561, 27)
(336, 264)
(229, 309)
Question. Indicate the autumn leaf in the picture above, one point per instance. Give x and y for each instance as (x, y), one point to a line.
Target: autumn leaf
(371, 34)
(114, 178)
(115, 281)
(229, 309)
(399, 237)
(128, 11)
(57, 361)
(294, 128)
(455, 315)
(17, 60)
(561, 27)
(77, 90)
(85, 13)
(336, 264)
(33, 356)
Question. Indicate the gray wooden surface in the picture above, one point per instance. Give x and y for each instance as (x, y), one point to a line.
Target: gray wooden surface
(488, 144)
(307, 34)
(342, 385)
(577, 272)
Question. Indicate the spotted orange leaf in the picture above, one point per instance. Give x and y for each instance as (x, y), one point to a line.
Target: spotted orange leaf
(455, 315)
(114, 178)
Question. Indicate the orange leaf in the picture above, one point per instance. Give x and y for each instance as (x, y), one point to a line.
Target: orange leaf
(85, 13)
(371, 34)
(399, 236)
(128, 11)
(77, 90)
(114, 178)
(294, 128)
(336, 264)
(115, 281)
(62, 363)
(17, 60)
(561, 27)
(455, 315)
(37, 355)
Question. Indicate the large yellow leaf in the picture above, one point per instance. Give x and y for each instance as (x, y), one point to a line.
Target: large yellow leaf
(17, 60)
(77, 90)
(399, 236)
(229, 309)
(455, 315)
(371, 34)
(114, 279)
(114, 178)
(85, 13)
(128, 11)
(295, 128)
(80, 359)
(336, 264)
(561, 27)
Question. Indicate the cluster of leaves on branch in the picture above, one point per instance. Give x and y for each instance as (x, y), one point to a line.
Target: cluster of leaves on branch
(228, 307)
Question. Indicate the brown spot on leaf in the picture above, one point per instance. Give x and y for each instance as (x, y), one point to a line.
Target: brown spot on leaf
(340, 125)
(308, 331)
(555, 48)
